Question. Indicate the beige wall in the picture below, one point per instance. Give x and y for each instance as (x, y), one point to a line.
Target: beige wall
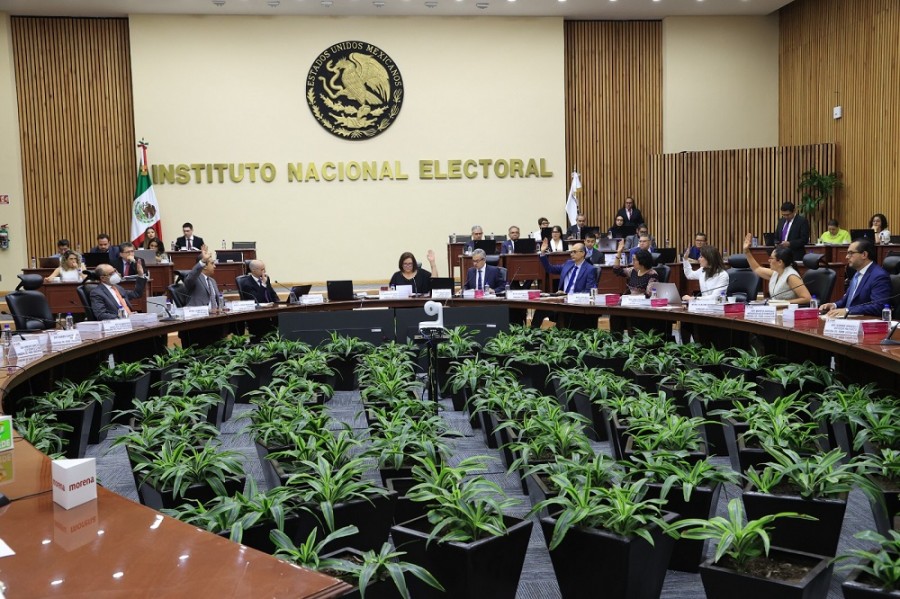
(13, 259)
(230, 90)
(720, 83)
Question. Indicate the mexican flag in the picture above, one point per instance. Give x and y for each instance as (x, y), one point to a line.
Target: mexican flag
(145, 209)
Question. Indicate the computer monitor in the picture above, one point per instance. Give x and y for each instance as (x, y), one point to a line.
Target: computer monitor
(148, 256)
(627, 230)
(546, 232)
(243, 245)
(895, 239)
(488, 245)
(229, 256)
(604, 244)
(48, 262)
(769, 239)
(666, 255)
(339, 291)
(525, 246)
(586, 231)
(95, 259)
(859, 233)
(443, 282)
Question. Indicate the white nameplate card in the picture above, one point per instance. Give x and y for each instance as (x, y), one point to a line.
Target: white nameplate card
(241, 306)
(74, 481)
(90, 329)
(759, 312)
(6, 435)
(389, 295)
(842, 327)
(404, 290)
(442, 294)
(469, 294)
(63, 339)
(637, 301)
(579, 299)
(706, 308)
(27, 348)
(117, 325)
(312, 298)
(141, 319)
(517, 294)
(195, 312)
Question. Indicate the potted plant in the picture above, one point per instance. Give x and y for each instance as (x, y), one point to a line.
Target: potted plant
(43, 431)
(883, 468)
(748, 364)
(878, 572)
(344, 350)
(90, 391)
(690, 490)
(204, 378)
(667, 433)
(707, 393)
(746, 566)
(465, 541)
(815, 188)
(609, 538)
(376, 574)
(816, 485)
(600, 469)
(72, 411)
(129, 381)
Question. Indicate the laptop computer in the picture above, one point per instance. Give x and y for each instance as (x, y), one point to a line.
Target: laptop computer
(229, 256)
(859, 233)
(895, 239)
(590, 231)
(525, 246)
(768, 239)
(301, 290)
(488, 245)
(95, 259)
(443, 282)
(48, 262)
(668, 291)
(148, 256)
(546, 232)
(605, 244)
(339, 291)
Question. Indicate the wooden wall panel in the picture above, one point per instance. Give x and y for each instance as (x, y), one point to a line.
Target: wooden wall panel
(613, 110)
(839, 52)
(727, 193)
(73, 79)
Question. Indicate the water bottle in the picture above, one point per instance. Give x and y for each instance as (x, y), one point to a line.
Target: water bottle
(7, 335)
(173, 246)
(814, 302)
(653, 293)
(223, 244)
(70, 322)
(220, 301)
(886, 313)
(121, 313)
(33, 262)
(168, 307)
(453, 238)
(721, 297)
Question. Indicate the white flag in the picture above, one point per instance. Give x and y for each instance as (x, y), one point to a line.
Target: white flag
(572, 200)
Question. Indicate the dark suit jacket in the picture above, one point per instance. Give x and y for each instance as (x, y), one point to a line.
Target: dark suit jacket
(181, 243)
(492, 278)
(798, 236)
(198, 294)
(585, 279)
(596, 256)
(873, 292)
(105, 305)
(119, 265)
(636, 217)
(113, 252)
(574, 232)
(250, 289)
(507, 246)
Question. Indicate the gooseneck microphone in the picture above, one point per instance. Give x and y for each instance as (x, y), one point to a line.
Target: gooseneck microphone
(292, 299)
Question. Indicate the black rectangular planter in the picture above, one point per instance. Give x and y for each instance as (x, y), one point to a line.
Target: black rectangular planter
(854, 589)
(819, 537)
(100, 420)
(80, 421)
(723, 583)
(372, 516)
(687, 554)
(487, 568)
(127, 392)
(157, 499)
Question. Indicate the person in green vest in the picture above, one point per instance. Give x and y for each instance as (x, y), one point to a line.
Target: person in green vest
(835, 234)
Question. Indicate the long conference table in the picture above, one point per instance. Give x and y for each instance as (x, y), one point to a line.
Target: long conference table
(115, 547)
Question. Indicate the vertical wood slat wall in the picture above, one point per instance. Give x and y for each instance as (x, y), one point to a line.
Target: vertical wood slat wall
(835, 52)
(613, 110)
(728, 193)
(73, 79)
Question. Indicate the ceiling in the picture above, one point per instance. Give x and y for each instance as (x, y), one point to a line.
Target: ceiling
(569, 9)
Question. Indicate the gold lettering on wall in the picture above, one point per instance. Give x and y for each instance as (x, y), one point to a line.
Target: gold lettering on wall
(214, 173)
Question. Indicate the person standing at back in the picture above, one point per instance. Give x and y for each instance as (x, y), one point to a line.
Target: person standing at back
(792, 231)
(630, 214)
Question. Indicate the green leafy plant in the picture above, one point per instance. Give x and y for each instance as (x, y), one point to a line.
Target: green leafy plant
(671, 470)
(123, 371)
(882, 563)
(308, 553)
(815, 188)
(346, 346)
(42, 430)
(382, 565)
(180, 465)
(740, 542)
(813, 477)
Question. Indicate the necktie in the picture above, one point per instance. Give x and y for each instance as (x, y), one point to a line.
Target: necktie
(628, 212)
(853, 285)
(121, 300)
(209, 292)
(571, 283)
(784, 230)
(478, 284)
(125, 269)
(190, 246)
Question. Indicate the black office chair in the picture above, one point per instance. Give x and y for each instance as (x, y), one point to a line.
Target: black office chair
(83, 292)
(743, 283)
(502, 270)
(820, 281)
(29, 307)
(179, 295)
(892, 265)
(895, 294)
(663, 270)
(243, 283)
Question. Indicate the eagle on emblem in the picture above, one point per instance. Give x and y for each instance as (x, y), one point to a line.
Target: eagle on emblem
(360, 78)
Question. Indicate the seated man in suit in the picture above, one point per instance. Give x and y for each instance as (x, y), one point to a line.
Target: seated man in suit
(792, 231)
(576, 275)
(631, 241)
(693, 255)
(62, 246)
(591, 254)
(199, 283)
(257, 286)
(477, 235)
(869, 289)
(188, 241)
(107, 297)
(483, 276)
(644, 243)
(574, 232)
(508, 246)
(126, 263)
(104, 245)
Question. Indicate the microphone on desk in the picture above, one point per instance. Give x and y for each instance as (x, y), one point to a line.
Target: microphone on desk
(292, 299)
